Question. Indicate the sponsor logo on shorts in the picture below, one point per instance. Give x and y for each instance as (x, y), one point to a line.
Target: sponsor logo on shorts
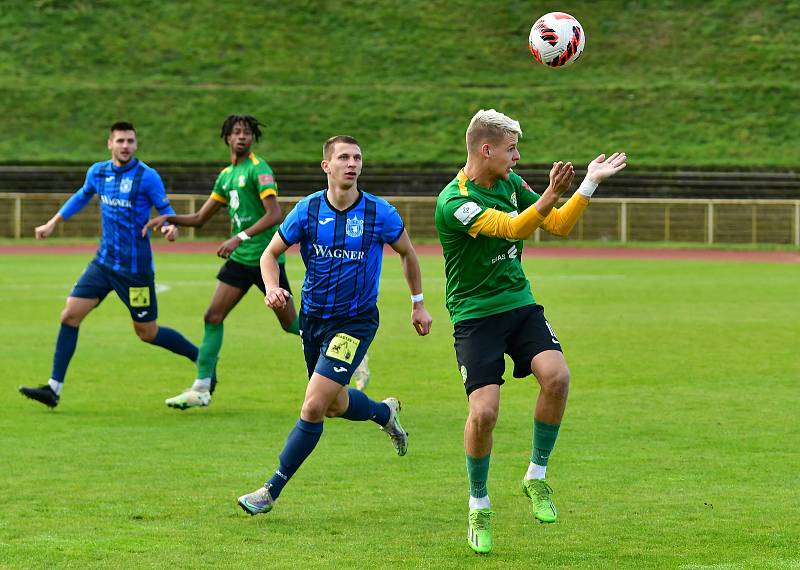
(140, 315)
(139, 296)
(464, 373)
(343, 347)
(340, 368)
(552, 333)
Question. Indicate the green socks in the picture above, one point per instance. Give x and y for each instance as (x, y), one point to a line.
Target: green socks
(209, 350)
(544, 439)
(478, 473)
(294, 328)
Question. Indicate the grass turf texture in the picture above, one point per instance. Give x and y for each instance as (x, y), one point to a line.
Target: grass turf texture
(676, 451)
(673, 85)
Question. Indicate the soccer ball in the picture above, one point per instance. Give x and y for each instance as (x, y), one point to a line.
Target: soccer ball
(557, 39)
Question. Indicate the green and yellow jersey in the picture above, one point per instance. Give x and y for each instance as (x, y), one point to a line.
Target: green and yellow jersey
(242, 187)
(484, 274)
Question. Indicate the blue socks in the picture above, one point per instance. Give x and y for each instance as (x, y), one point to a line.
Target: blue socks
(173, 340)
(361, 409)
(301, 442)
(66, 342)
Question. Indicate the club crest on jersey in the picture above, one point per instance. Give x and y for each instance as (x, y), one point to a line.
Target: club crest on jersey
(514, 199)
(234, 200)
(241, 181)
(354, 227)
(125, 185)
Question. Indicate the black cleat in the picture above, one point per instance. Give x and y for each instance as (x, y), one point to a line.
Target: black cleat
(43, 394)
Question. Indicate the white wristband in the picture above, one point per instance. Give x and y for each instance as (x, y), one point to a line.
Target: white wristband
(243, 236)
(587, 187)
(416, 298)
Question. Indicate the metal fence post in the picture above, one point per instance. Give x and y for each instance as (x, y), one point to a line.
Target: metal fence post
(797, 223)
(17, 217)
(710, 222)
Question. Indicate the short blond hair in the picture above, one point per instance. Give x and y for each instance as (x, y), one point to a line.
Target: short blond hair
(490, 126)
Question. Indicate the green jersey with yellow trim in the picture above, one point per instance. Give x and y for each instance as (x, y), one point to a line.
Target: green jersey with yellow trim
(484, 274)
(242, 187)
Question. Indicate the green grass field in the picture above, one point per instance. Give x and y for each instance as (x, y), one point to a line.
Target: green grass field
(672, 83)
(678, 449)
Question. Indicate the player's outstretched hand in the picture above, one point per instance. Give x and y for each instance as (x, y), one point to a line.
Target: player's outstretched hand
(154, 224)
(170, 232)
(277, 298)
(44, 231)
(561, 176)
(421, 319)
(601, 167)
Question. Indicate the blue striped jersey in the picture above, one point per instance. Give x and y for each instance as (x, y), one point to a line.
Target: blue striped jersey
(342, 251)
(127, 195)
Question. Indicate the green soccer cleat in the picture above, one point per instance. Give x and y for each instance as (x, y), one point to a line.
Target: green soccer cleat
(259, 501)
(393, 429)
(479, 531)
(361, 375)
(538, 491)
(189, 399)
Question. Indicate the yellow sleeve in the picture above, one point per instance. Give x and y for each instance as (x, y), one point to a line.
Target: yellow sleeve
(560, 221)
(494, 223)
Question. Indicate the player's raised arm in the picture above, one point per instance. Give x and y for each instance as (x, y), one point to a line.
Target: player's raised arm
(72, 206)
(560, 221)
(195, 220)
(494, 223)
(420, 317)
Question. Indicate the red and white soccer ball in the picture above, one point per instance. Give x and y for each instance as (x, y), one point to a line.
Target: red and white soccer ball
(557, 39)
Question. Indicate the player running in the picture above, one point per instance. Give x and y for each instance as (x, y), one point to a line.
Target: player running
(128, 189)
(341, 232)
(482, 218)
(248, 188)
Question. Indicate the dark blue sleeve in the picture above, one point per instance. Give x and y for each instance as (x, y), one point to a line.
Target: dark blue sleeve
(293, 227)
(392, 224)
(79, 199)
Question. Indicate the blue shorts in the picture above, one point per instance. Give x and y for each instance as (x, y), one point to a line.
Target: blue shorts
(335, 347)
(137, 291)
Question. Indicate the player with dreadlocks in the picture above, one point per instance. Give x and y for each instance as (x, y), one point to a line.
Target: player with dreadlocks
(247, 187)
